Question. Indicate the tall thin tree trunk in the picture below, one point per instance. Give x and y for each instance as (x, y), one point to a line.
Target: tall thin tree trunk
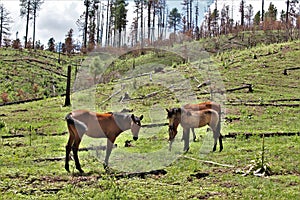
(34, 18)
(98, 24)
(262, 10)
(106, 29)
(153, 24)
(86, 23)
(142, 24)
(101, 28)
(27, 23)
(191, 13)
(287, 11)
(1, 25)
(149, 18)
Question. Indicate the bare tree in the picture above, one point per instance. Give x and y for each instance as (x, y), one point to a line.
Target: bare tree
(249, 14)
(5, 21)
(36, 6)
(25, 11)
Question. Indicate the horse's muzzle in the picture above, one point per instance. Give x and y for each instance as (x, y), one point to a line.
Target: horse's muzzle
(135, 138)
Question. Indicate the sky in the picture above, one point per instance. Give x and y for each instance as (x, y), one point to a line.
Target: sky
(56, 18)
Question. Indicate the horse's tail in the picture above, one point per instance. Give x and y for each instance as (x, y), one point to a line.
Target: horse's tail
(215, 119)
(79, 125)
(219, 129)
(219, 124)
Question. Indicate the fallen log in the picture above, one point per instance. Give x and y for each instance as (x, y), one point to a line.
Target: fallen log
(28, 100)
(111, 96)
(263, 104)
(245, 86)
(12, 136)
(271, 134)
(140, 174)
(49, 159)
(258, 101)
(292, 68)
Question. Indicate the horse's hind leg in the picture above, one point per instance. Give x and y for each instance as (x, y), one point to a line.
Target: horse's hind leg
(75, 148)
(68, 149)
(109, 147)
(220, 142)
(215, 140)
(186, 138)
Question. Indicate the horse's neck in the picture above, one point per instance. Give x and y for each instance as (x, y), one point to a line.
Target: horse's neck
(123, 121)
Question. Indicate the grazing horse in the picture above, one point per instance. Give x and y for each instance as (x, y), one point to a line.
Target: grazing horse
(203, 106)
(107, 125)
(193, 119)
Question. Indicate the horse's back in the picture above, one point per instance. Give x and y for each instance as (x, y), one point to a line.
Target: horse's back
(203, 106)
(197, 119)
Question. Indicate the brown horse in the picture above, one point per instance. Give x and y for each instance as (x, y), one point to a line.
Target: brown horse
(96, 125)
(193, 119)
(203, 106)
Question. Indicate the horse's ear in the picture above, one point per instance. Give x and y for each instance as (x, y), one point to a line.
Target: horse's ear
(141, 117)
(167, 110)
(132, 117)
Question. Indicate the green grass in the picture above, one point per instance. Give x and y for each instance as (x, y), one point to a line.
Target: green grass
(23, 176)
(32, 74)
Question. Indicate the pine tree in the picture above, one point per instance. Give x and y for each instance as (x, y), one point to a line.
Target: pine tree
(69, 46)
(272, 12)
(174, 19)
(120, 15)
(51, 44)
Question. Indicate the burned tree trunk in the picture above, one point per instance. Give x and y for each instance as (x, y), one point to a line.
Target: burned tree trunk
(68, 89)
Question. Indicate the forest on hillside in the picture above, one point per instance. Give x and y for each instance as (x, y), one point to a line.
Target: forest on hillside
(106, 23)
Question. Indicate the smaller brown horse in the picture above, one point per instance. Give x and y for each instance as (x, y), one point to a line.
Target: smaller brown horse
(193, 119)
(107, 125)
(203, 106)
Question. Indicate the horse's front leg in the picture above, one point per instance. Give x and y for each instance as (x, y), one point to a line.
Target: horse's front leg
(109, 148)
(186, 138)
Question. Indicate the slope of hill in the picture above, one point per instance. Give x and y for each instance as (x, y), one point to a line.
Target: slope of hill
(32, 166)
(32, 74)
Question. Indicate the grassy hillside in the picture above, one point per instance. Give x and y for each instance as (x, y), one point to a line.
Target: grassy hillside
(272, 107)
(32, 74)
